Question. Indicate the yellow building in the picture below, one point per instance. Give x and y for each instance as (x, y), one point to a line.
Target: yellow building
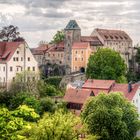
(80, 54)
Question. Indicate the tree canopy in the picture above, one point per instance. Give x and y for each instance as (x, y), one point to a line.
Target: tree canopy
(111, 117)
(138, 56)
(58, 37)
(10, 33)
(106, 64)
(59, 126)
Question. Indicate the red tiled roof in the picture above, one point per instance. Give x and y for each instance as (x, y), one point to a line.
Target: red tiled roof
(7, 49)
(93, 40)
(124, 89)
(118, 35)
(57, 47)
(98, 84)
(40, 50)
(77, 95)
(80, 45)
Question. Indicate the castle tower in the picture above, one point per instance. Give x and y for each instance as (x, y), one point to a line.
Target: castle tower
(72, 34)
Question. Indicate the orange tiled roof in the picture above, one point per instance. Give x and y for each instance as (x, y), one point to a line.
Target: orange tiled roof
(7, 49)
(118, 35)
(98, 84)
(77, 95)
(40, 50)
(124, 89)
(93, 40)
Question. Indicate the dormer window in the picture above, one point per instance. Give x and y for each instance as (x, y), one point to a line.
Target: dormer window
(17, 52)
(92, 93)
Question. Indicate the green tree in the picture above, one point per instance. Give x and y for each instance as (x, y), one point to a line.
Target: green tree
(138, 56)
(10, 33)
(106, 64)
(59, 126)
(58, 37)
(112, 117)
(12, 122)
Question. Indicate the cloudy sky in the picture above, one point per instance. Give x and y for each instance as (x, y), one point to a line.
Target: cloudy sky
(40, 19)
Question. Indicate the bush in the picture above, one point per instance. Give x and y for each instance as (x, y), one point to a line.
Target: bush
(47, 90)
(54, 81)
(26, 113)
(33, 103)
(18, 99)
(48, 104)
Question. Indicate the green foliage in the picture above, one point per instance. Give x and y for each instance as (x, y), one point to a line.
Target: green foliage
(54, 81)
(47, 90)
(59, 126)
(33, 103)
(21, 84)
(138, 56)
(18, 99)
(111, 116)
(106, 64)
(58, 37)
(10, 33)
(48, 104)
(12, 123)
(26, 113)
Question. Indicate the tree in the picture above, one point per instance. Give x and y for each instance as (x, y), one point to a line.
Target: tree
(106, 64)
(138, 56)
(12, 122)
(10, 33)
(112, 117)
(58, 37)
(59, 126)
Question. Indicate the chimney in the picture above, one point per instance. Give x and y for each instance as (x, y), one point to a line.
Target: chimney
(129, 87)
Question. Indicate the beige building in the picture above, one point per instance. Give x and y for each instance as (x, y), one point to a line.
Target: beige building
(39, 53)
(15, 57)
(80, 53)
(55, 54)
(117, 40)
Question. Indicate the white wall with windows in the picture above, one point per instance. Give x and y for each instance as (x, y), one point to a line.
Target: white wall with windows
(136, 100)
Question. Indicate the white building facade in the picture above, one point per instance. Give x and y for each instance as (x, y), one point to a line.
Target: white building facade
(15, 57)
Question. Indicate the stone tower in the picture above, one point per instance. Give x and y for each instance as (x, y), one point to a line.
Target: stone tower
(72, 34)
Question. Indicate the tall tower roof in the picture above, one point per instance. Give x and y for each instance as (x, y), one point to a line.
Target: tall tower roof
(72, 25)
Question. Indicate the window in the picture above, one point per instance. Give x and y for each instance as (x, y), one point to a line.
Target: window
(3, 68)
(53, 54)
(82, 52)
(61, 55)
(17, 68)
(28, 78)
(17, 52)
(33, 78)
(11, 68)
(21, 58)
(33, 68)
(58, 54)
(82, 59)
(28, 68)
(76, 52)
(16, 58)
(13, 78)
(28, 58)
(75, 58)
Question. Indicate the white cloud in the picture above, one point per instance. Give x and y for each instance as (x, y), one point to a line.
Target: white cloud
(40, 19)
